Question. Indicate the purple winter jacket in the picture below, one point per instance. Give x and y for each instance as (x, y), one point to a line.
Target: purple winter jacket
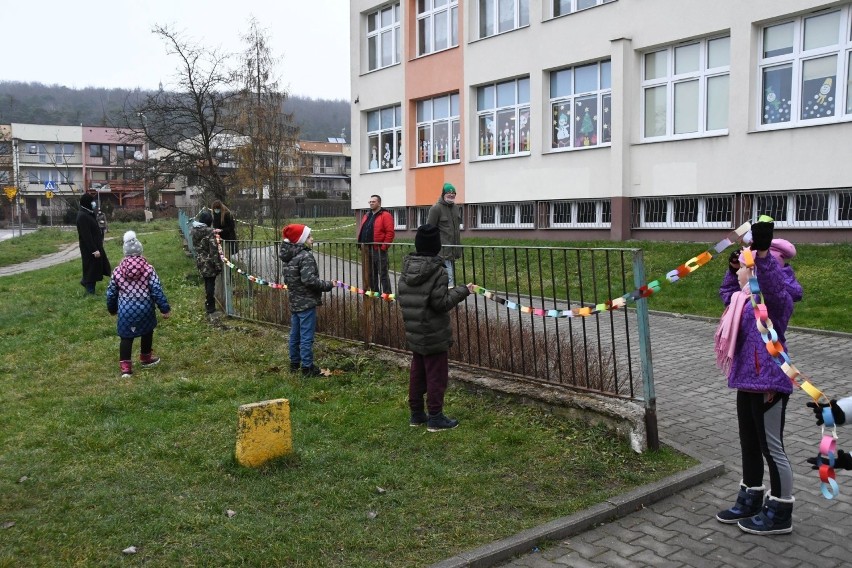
(753, 369)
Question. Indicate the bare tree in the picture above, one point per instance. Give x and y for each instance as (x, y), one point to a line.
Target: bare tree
(268, 156)
(188, 124)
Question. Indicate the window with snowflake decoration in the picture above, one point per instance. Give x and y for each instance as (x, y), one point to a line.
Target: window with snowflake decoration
(438, 131)
(580, 100)
(503, 118)
(805, 69)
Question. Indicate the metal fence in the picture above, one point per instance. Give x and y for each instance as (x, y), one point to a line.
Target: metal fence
(602, 353)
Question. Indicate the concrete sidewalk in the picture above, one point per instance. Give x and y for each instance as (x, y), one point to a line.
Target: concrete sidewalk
(68, 252)
(696, 412)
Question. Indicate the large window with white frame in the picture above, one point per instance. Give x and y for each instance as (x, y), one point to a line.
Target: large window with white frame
(806, 70)
(438, 130)
(383, 39)
(400, 218)
(563, 7)
(590, 213)
(498, 16)
(437, 25)
(505, 216)
(580, 101)
(684, 211)
(503, 118)
(685, 89)
(805, 209)
(384, 138)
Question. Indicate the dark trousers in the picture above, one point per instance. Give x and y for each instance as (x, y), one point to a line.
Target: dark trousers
(761, 425)
(379, 278)
(429, 376)
(125, 348)
(210, 294)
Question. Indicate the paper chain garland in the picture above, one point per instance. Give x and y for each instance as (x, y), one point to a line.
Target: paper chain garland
(828, 444)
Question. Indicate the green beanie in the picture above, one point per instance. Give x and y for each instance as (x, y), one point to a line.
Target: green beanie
(448, 188)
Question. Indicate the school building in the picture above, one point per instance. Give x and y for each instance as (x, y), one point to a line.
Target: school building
(606, 119)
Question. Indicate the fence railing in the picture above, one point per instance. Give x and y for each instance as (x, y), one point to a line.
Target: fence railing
(606, 352)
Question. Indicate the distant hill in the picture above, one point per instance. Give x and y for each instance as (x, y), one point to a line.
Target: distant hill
(36, 103)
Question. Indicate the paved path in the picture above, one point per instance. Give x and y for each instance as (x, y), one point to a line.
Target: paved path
(696, 409)
(70, 251)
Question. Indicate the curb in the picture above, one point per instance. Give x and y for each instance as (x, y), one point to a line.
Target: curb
(828, 332)
(611, 509)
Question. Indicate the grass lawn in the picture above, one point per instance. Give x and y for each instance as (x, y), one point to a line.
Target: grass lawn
(92, 464)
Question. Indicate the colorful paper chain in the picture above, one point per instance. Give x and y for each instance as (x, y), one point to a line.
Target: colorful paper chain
(828, 444)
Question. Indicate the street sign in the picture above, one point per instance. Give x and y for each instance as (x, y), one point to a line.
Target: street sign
(50, 185)
(10, 191)
(48, 194)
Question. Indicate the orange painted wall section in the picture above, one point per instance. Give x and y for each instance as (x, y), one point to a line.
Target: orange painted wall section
(426, 77)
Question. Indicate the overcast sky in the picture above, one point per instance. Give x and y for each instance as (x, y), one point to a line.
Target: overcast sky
(110, 44)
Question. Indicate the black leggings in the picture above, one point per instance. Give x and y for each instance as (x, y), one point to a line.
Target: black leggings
(125, 348)
(761, 425)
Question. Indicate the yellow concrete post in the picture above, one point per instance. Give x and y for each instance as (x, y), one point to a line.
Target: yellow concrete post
(263, 432)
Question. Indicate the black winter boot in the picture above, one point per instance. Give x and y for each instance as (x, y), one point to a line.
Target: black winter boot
(749, 503)
(418, 418)
(775, 518)
(439, 422)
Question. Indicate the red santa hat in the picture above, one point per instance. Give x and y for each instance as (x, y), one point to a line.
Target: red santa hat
(296, 233)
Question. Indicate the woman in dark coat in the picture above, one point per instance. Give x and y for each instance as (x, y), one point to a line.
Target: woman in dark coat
(223, 220)
(95, 262)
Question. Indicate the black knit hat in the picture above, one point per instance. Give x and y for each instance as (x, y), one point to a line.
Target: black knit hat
(205, 217)
(428, 239)
(86, 201)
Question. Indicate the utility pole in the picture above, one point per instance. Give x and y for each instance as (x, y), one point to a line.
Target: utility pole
(145, 159)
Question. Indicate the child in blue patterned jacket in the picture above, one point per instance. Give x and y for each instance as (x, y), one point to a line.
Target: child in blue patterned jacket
(132, 293)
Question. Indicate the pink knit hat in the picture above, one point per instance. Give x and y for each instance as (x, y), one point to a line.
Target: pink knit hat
(782, 250)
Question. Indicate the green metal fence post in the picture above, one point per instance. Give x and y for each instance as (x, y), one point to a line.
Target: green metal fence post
(645, 355)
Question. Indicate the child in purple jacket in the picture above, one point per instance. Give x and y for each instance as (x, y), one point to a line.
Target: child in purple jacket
(763, 390)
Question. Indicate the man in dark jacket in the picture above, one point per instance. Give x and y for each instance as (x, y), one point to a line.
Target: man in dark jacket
(377, 227)
(425, 301)
(446, 215)
(304, 292)
(95, 262)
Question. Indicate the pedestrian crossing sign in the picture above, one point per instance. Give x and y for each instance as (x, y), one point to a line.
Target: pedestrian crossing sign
(10, 191)
(50, 185)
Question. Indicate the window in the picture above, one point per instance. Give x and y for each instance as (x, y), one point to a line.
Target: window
(679, 212)
(383, 41)
(422, 215)
(400, 218)
(505, 216)
(63, 149)
(570, 214)
(503, 116)
(580, 101)
(127, 152)
(498, 16)
(437, 25)
(813, 208)
(4, 177)
(806, 69)
(438, 133)
(384, 138)
(685, 89)
(99, 151)
(562, 7)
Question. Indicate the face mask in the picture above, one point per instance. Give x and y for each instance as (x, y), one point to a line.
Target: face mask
(217, 211)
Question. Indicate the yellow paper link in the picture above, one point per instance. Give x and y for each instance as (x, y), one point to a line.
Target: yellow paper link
(812, 391)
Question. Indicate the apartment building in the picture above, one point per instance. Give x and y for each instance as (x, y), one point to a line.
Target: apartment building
(50, 164)
(606, 119)
(327, 168)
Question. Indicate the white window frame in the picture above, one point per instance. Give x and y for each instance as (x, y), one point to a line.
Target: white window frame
(602, 206)
(394, 129)
(428, 151)
(426, 18)
(700, 222)
(521, 15)
(400, 218)
(574, 6)
(797, 59)
(393, 31)
(571, 101)
(491, 144)
(500, 214)
(670, 82)
(833, 199)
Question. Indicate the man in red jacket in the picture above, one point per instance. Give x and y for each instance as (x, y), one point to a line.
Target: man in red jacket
(377, 229)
